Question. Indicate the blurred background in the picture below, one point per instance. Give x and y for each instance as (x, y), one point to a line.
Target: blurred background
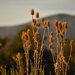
(15, 17)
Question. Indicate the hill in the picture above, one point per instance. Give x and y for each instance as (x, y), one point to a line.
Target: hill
(13, 30)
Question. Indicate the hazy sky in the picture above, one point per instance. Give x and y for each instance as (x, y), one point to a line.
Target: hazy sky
(14, 12)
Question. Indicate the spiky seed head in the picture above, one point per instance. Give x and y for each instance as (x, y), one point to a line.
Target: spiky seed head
(42, 19)
(56, 23)
(24, 36)
(59, 26)
(28, 32)
(33, 22)
(57, 30)
(32, 11)
(51, 33)
(18, 55)
(42, 47)
(71, 42)
(51, 39)
(47, 22)
(65, 25)
(36, 34)
(37, 15)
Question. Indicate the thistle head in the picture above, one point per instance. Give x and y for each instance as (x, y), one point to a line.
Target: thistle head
(32, 11)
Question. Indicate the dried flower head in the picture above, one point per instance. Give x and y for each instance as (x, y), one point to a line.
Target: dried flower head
(28, 32)
(65, 25)
(56, 23)
(51, 39)
(51, 33)
(32, 11)
(59, 26)
(71, 42)
(42, 47)
(37, 15)
(34, 22)
(42, 19)
(45, 24)
(24, 36)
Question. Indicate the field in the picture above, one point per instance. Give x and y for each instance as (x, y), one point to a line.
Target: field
(50, 54)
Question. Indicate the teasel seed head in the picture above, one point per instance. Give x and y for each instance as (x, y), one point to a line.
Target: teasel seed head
(42, 19)
(56, 23)
(42, 47)
(37, 15)
(51, 39)
(33, 22)
(32, 11)
(18, 55)
(48, 23)
(71, 42)
(51, 34)
(65, 25)
(36, 34)
(24, 36)
(59, 26)
(45, 24)
(57, 30)
(28, 32)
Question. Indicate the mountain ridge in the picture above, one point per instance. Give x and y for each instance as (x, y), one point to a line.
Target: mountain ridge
(11, 31)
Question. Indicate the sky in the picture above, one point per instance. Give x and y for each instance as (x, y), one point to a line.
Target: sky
(15, 12)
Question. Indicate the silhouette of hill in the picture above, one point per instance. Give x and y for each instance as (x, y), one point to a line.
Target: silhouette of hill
(13, 30)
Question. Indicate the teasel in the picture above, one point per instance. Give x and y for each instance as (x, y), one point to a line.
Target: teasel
(55, 23)
(64, 25)
(24, 36)
(42, 19)
(59, 26)
(32, 11)
(37, 15)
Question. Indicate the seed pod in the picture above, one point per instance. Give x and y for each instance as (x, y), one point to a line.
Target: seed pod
(51, 33)
(71, 43)
(47, 22)
(42, 19)
(42, 47)
(59, 26)
(24, 36)
(65, 25)
(37, 15)
(57, 30)
(51, 39)
(32, 11)
(28, 32)
(33, 22)
(36, 34)
(56, 23)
